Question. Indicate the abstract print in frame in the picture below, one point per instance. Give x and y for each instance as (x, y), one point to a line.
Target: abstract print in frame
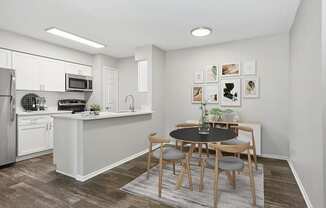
(231, 92)
(197, 94)
(229, 70)
(250, 87)
(211, 94)
(211, 74)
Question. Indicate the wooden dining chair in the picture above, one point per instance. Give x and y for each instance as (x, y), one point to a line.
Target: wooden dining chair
(182, 144)
(166, 154)
(230, 164)
(238, 140)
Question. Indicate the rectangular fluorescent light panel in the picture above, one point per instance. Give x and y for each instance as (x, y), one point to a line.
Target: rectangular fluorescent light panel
(63, 34)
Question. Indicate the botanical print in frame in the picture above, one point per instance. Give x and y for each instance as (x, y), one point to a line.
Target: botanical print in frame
(250, 87)
(197, 94)
(211, 94)
(249, 68)
(211, 74)
(230, 70)
(230, 92)
(199, 77)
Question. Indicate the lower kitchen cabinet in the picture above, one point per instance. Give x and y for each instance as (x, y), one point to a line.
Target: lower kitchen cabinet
(35, 134)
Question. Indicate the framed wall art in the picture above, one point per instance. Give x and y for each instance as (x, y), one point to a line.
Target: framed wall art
(230, 70)
(250, 87)
(231, 92)
(211, 94)
(199, 77)
(197, 94)
(249, 68)
(211, 74)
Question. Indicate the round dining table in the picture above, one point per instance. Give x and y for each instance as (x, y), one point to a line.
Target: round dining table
(192, 136)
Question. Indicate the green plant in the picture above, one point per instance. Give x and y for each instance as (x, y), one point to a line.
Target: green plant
(216, 111)
(95, 107)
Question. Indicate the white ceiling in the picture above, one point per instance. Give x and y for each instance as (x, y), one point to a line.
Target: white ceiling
(123, 25)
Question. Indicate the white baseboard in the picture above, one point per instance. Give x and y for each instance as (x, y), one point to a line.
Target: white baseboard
(272, 156)
(30, 156)
(109, 167)
(300, 184)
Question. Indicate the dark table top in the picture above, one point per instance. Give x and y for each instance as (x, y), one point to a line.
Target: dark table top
(192, 135)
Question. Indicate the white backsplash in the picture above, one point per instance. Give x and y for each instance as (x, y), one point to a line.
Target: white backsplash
(51, 97)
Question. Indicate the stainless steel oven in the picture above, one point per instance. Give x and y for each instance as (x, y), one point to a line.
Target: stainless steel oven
(79, 83)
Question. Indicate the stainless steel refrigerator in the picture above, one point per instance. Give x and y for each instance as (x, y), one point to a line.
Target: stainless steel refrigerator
(7, 116)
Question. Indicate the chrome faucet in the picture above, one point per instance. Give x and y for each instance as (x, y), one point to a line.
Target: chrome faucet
(132, 105)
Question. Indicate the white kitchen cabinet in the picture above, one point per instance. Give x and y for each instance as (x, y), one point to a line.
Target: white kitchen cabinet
(38, 73)
(5, 59)
(35, 134)
(78, 69)
(27, 68)
(51, 75)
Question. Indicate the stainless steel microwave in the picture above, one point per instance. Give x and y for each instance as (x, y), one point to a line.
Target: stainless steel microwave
(79, 83)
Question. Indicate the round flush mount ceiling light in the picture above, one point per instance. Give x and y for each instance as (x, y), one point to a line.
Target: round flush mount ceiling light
(201, 31)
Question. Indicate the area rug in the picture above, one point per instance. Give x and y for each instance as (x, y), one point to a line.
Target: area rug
(184, 198)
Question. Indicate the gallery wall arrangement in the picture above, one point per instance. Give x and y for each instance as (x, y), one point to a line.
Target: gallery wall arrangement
(226, 84)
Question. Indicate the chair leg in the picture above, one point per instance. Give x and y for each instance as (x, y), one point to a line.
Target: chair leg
(160, 180)
(189, 174)
(181, 175)
(216, 174)
(233, 179)
(148, 163)
(252, 181)
(255, 156)
(173, 167)
(207, 150)
(202, 169)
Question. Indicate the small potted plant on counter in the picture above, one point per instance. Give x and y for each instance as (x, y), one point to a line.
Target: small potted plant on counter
(95, 109)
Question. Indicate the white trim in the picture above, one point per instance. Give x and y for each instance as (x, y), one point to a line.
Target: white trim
(33, 155)
(273, 156)
(109, 167)
(300, 184)
(66, 174)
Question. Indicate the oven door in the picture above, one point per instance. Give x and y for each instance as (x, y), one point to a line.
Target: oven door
(77, 83)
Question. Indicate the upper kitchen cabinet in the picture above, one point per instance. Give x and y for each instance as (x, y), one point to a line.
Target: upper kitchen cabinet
(27, 68)
(38, 73)
(78, 69)
(5, 59)
(51, 75)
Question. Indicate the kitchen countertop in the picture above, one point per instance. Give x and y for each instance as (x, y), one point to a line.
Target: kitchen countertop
(103, 115)
(46, 112)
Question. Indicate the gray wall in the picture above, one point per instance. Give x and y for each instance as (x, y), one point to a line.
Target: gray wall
(128, 83)
(271, 109)
(324, 87)
(306, 141)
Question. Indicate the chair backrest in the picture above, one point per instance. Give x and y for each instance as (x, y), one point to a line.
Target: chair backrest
(155, 139)
(234, 148)
(186, 125)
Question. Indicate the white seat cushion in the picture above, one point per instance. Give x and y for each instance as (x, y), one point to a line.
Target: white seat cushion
(227, 163)
(169, 153)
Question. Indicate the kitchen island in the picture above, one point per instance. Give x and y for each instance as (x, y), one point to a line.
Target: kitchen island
(87, 145)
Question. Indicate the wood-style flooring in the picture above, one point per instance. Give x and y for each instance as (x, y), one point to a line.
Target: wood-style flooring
(34, 183)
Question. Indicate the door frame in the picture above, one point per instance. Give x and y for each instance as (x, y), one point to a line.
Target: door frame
(116, 83)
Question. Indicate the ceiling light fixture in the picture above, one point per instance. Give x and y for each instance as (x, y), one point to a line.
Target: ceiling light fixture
(201, 31)
(63, 34)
